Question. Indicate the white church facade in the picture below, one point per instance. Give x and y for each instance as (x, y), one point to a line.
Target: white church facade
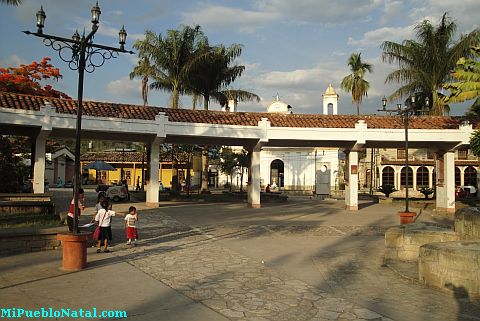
(301, 170)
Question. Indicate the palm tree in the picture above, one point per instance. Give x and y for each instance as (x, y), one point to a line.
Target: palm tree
(171, 56)
(12, 2)
(209, 74)
(145, 71)
(467, 87)
(355, 83)
(236, 95)
(212, 70)
(425, 65)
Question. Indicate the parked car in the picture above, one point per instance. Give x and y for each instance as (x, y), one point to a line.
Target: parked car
(116, 193)
(465, 191)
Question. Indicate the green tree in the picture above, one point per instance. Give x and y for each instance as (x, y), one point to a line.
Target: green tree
(213, 69)
(12, 169)
(145, 71)
(355, 82)
(228, 163)
(171, 56)
(12, 2)
(424, 65)
(236, 95)
(467, 86)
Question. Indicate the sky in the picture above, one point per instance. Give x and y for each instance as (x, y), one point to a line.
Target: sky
(293, 48)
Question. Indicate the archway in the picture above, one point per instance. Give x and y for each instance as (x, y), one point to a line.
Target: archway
(277, 173)
(470, 176)
(422, 177)
(403, 177)
(388, 176)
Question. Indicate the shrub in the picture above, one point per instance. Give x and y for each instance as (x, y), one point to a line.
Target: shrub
(386, 189)
(426, 191)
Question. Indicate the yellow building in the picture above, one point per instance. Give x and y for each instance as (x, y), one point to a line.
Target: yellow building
(131, 163)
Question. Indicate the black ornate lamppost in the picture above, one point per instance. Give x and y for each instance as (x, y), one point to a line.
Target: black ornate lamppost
(406, 112)
(80, 53)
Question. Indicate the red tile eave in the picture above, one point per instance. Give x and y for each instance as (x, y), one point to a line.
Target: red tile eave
(430, 162)
(126, 111)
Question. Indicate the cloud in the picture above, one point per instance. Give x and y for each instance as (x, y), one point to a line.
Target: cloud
(125, 88)
(227, 17)
(321, 11)
(12, 61)
(374, 38)
(392, 10)
(462, 11)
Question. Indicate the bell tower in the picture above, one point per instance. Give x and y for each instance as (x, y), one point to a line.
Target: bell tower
(330, 101)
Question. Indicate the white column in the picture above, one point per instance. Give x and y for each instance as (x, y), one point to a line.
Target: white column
(152, 187)
(430, 177)
(351, 184)
(39, 162)
(446, 182)
(414, 177)
(462, 176)
(254, 177)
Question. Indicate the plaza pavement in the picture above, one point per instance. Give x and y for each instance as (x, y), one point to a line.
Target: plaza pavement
(303, 260)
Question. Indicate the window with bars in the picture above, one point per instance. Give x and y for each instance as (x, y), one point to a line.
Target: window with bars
(462, 153)
(422, 177)
(388, 176)
(401, 153)
(430, 155)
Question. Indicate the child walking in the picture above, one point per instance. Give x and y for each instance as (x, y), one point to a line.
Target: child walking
(130, 223)
(103, 219)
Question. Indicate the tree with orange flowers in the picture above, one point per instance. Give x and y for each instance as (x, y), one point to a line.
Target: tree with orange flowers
(25, 79)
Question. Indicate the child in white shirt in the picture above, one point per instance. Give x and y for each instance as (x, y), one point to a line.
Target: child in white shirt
(103, 218)
(130, 223)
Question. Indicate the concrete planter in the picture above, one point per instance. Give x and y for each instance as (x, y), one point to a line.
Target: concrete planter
(407, 217)
(74, 250)
(454, 265)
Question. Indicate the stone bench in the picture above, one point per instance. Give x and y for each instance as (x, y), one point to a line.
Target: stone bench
(467, 223)
(403, 242)
(451, 265)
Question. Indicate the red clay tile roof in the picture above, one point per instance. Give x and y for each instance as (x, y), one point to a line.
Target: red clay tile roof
(105, 109)
(425, 162)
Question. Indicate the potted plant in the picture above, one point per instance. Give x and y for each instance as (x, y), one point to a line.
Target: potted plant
(386, 189)
(426, 191)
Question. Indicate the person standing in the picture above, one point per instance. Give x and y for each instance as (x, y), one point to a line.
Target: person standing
(103, 220)
(130, 224)
(71, 210)
(125, 184)
(138, 184)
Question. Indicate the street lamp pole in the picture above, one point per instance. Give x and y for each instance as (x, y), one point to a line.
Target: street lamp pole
(82, 50)
(405, 113)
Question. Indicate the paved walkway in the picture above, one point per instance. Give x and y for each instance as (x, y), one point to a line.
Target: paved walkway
(306, 260)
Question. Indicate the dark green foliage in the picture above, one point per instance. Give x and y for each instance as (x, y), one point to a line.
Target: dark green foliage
(386, 189)
(426, 191)
(475, 143)
(12, 170)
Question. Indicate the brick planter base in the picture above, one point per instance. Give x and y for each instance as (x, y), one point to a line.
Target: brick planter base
(74, 250)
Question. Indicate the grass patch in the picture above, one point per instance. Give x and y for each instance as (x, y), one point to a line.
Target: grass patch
(29, 220)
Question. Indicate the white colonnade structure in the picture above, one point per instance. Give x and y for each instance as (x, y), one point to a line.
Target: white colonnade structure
(41, 117)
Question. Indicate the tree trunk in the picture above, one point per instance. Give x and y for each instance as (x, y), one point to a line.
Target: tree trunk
(189, 176)
(206, 98)
(241, 179)
(205, 169)
(174, 186)
(175, 98)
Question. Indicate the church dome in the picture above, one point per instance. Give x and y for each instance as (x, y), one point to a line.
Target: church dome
(278, 106)
(330, 90)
